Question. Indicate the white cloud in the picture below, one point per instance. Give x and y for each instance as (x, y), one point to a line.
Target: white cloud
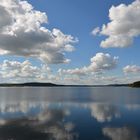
(104, 112)
(92, 74)
(99, 63)
(116, 41)
(124, 133)
(102, 61)
(31, 39)
(131, 69)
(15, 71)
(95, 31)
(5, 18)
(23, 71)
(123, 27)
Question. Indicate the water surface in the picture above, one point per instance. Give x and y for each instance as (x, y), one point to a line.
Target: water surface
(70, 113)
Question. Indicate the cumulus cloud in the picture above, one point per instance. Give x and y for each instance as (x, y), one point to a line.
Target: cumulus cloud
(95, 31)
(123, 27)
(102, 61)
(124, 133)
(23, 71)
(104, 112)
(31, 39)
(131, 69)
(5, 18)
(99, 63)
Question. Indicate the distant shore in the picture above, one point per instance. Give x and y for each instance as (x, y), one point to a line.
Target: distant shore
(37, 84)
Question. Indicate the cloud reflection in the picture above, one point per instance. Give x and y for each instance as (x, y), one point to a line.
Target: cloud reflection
(104, 112)
(122, 133)
(22, 107)
(133, 106)
(48, 123)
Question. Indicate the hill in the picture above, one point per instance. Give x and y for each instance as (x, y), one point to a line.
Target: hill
(135, 84)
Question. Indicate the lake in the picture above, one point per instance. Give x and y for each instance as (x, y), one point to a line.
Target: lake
(70, 113)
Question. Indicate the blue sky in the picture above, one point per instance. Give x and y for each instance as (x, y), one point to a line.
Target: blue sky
(78, 19)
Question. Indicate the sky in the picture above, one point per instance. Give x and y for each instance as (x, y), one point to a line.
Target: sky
(70, 41)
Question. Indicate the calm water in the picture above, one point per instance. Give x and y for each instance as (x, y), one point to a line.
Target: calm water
(107, 113)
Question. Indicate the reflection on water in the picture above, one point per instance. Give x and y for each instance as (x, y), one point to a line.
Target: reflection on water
(69, 114)
(123, 133)
(35, 121)
(104, 112)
